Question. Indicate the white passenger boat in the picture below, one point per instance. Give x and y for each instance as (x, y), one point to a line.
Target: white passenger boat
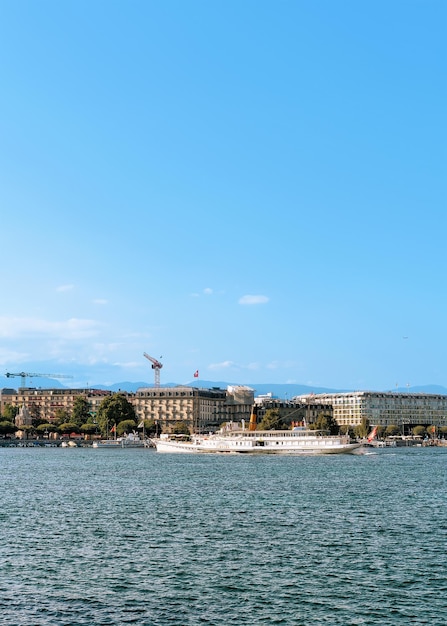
(300, 440)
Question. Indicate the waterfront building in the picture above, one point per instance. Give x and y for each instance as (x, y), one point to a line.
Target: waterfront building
(292, 410)
(384, 409)
(202, 410)
(44, 403)
(199, 409)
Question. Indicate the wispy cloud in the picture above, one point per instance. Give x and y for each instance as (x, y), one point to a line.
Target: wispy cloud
(16, 327)
(101, 301)
(249, 300)
(62, 288)
(221, 366)
(208, 291)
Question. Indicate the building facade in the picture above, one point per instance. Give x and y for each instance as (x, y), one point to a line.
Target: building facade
(44, 404)
(384, 409)
(200, 409)
(292, 410)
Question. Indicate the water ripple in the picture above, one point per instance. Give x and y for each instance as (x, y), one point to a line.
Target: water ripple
(132, 537)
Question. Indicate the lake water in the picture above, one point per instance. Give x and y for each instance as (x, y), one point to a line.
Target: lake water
(134, 537)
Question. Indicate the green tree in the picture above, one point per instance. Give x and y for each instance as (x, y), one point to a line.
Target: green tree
(81, 411)
(89, 428)
(61, 415)
(419, 431)
(150, 427)
(392, 430)
(7, 427)
(326, 423)
(363, 429)
(10, 412)
(180, 428)
(272, 420)
(46, 428)
(126, 426)
(113, 410)
(68, 427)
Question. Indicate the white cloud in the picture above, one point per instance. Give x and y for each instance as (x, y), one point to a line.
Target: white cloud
(223, 365)
(208, 291)
(253, 300)
(100, 301)
(65, 288)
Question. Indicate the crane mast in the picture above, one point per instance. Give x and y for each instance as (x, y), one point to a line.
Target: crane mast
(156, 366)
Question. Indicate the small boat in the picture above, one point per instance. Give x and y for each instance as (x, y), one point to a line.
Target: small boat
(129, 441)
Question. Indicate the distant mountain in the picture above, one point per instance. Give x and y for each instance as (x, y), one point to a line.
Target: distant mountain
(278, 390)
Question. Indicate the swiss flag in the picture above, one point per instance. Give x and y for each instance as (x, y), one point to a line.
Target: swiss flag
(196, 374)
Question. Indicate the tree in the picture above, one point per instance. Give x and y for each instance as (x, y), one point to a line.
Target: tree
(180, 428)
(46, 428)
(10, 412)
(61, 415)
(419, 431)
(7, 428)
(272, 420)
(126, 426)
(362, 430)
(149, 427)
(391, 430)
(68, 427)
(81, 411)
(89, 428)
(327, 423)
(113, 410)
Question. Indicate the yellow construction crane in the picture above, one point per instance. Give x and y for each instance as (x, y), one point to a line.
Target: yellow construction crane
(156, 366)
(25, 375)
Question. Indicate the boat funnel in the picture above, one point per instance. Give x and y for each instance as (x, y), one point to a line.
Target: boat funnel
(253, 418)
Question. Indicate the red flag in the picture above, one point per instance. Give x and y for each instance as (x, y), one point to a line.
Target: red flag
(113, 429)
(196, 374)
(372, 434)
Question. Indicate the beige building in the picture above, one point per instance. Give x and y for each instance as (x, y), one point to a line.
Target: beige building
(383, 409)
(200, 409)
(203, 409)
(44, 403)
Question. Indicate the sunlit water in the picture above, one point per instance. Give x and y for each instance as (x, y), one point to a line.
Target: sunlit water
(135, 537)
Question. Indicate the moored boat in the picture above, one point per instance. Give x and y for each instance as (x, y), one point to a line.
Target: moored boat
(129, 441)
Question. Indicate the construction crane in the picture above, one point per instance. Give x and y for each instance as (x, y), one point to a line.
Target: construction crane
(25, 375)
(156, 366)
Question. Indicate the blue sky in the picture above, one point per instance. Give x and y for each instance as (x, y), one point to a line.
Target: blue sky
(254, 189)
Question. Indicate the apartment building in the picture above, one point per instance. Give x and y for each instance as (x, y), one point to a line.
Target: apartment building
(199, 409)
(44, 403)
(383, 409)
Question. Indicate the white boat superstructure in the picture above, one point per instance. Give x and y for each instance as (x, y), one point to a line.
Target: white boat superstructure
(297, 441)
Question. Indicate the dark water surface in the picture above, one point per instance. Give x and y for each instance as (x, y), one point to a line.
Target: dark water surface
(132, 537)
